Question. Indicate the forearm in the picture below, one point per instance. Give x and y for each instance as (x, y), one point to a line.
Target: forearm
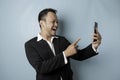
(84, 53)
(51, 64)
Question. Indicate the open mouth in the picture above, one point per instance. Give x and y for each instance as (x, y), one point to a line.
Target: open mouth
(54, 29)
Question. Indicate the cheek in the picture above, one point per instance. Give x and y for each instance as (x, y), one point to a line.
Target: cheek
(48, 28)
(50, 24)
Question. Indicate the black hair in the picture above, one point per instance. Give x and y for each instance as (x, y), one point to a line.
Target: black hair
(44, 12)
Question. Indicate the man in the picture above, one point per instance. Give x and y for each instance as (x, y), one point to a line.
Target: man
(49, 54)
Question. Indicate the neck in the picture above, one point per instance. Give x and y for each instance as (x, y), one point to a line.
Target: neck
(45, 36)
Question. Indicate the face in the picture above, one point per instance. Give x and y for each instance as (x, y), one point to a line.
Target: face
(50, 24)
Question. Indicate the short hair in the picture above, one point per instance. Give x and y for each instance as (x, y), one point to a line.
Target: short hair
(44, 12)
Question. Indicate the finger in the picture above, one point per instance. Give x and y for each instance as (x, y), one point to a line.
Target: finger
(95, 39)
(97, 42)
(97, 35)
(75, 43)
(76, 46)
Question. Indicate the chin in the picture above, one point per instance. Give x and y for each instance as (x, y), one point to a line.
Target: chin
(54, 33)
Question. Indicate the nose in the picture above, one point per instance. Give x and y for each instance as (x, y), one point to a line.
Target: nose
(56, 24)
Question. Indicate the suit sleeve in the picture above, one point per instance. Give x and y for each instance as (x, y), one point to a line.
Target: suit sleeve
(40, 65)
(85, 53)
(82, 54)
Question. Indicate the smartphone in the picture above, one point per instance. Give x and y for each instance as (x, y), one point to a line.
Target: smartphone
(95, 26)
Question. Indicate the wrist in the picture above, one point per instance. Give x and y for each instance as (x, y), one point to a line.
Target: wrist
(65, 52)
(95, 48)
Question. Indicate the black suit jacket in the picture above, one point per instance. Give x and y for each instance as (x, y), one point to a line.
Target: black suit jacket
(48, 66)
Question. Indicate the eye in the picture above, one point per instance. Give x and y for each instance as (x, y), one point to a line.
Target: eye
(52, 21)
(57, 22)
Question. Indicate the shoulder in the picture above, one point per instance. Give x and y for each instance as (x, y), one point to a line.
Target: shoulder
(62, 39)
(31, 41)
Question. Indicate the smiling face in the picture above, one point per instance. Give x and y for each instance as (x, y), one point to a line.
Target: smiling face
(50, 24)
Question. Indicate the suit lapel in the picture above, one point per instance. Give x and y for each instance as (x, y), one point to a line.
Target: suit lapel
(42, 44)
(56, 45)
(46, 47)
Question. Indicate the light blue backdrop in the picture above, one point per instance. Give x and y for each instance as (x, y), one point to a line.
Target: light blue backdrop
(18, 23)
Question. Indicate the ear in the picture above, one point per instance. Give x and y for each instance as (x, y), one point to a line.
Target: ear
(42, 23)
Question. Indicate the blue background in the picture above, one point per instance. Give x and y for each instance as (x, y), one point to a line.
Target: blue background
(18, 23)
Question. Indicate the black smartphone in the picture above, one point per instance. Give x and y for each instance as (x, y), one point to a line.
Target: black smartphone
(95, 26)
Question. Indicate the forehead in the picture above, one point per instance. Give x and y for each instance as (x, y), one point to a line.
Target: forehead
(51, 16)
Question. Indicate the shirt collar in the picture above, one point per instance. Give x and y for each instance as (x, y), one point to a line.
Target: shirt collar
(39, 37)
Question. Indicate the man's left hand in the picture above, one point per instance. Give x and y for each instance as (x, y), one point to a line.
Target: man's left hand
(97, 37)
